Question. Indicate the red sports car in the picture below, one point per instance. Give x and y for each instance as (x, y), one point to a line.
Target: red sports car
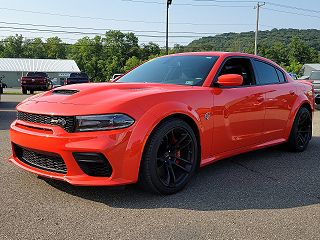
(160, 122)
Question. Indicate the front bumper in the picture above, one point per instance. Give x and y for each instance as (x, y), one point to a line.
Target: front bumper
(35, 87)
(112, 144)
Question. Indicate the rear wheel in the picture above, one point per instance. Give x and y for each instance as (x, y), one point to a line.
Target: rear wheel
(170, 158)
(301, 132)
(31, 91)
(24, 91)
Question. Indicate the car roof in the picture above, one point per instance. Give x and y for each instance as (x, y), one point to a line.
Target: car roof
(226, 54)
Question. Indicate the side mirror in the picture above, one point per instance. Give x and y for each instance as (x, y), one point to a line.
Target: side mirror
(230, 80)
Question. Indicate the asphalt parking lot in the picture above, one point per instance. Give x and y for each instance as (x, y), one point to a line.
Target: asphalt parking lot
(267, 194)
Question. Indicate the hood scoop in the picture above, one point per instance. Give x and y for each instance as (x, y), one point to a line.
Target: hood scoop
(65, 91)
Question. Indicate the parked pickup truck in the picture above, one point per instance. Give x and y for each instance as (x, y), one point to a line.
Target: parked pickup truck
(76, 78)
(35, 81)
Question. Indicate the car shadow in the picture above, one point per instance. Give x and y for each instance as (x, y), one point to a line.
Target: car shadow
(266, 179)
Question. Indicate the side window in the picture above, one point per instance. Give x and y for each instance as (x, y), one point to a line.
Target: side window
(266, 73)
(241, 66)
(281, 76)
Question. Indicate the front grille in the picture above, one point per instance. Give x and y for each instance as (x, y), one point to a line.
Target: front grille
(43, 160)
(67, 123)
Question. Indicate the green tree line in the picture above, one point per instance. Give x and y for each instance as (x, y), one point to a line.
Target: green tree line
(117, 52)
(100, 57)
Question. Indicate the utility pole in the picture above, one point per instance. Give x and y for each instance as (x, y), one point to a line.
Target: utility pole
(167, 30)
(259, 5)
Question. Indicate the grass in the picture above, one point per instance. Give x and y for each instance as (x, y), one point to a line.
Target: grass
(12, 93)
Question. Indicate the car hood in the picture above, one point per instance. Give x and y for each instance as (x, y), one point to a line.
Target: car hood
(92, 97)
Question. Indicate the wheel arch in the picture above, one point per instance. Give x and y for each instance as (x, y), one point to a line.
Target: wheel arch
(191, 122)
(294, 113)
(146, 125)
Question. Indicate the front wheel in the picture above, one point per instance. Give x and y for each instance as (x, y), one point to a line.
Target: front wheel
(24, 91)
(170, 158)
(301, 132)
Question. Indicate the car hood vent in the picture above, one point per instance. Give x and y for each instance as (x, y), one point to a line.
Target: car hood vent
(65, 91)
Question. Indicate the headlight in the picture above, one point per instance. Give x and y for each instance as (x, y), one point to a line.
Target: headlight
(102, 122)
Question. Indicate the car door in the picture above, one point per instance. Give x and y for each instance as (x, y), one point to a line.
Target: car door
(279, 98)
(238, 112)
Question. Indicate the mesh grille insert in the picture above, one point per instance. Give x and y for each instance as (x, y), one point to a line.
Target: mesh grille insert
(67, 123)
(43, 160)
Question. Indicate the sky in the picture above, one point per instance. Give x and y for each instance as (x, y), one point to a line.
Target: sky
(189, 19)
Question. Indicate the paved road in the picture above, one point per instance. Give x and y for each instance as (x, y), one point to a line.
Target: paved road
(268, 194)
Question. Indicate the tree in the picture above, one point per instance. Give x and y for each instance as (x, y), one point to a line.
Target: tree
(294, 66)
(118, 47)
(88, 55)
(131, 63)
(34, 48)
(149, 49)
(277, 52)
(55, 48)
(13, 47)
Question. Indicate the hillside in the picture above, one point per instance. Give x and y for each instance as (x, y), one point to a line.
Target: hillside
(244, 42)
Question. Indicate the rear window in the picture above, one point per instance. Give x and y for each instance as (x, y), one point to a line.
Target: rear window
(266, 73)
(281, 76)
(36, 74)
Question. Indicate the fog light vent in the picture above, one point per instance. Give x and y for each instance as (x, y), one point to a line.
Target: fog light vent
(93, 164)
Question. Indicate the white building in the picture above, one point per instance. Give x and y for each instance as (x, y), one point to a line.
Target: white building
(12, 69)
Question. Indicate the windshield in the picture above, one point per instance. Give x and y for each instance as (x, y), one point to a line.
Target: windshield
(315, 76)
(181, 70)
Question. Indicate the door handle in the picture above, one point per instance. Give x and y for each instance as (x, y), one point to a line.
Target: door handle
(292, 92)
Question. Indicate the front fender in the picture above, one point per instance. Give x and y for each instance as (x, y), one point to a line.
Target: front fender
(147, 123)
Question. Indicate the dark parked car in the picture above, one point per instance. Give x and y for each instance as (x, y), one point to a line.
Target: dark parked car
(35, 81)
(77, 78)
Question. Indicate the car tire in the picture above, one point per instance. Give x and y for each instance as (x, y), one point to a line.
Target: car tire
(31, 91)
(301, 131)
(170, 158)
(24, 91)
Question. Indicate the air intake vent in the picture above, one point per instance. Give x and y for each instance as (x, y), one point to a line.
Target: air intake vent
(65, 91)
(43, 160)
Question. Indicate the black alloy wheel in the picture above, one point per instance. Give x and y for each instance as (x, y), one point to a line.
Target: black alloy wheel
(301, 132)
(170, 158)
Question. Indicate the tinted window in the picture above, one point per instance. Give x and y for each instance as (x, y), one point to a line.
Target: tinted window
(266, 73)
(78, 75)
(281, 76)
(36, 74)
(240, 66)
(181, 70)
